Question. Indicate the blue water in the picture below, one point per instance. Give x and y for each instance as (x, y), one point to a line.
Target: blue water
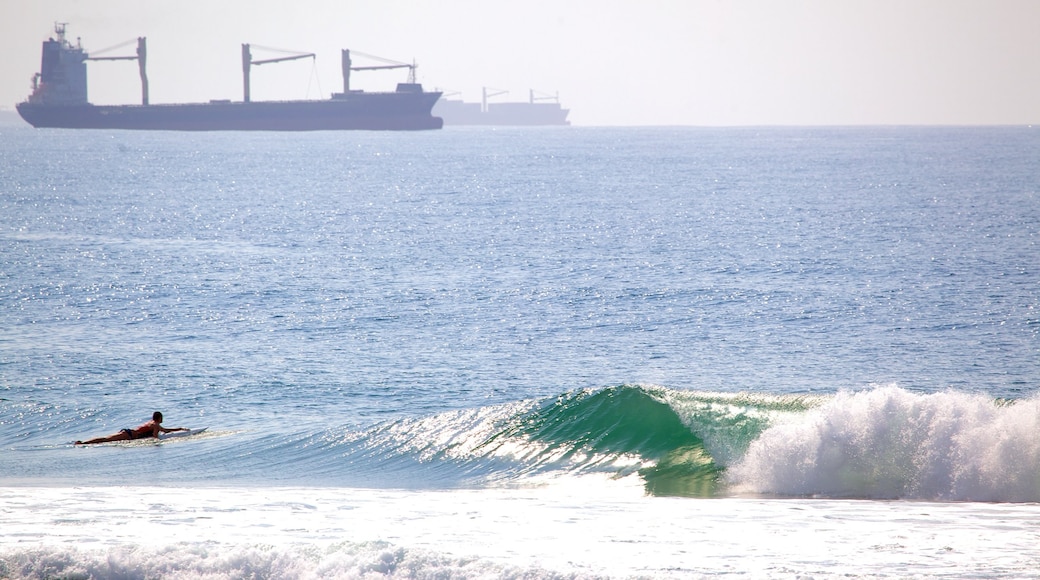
(469, 308)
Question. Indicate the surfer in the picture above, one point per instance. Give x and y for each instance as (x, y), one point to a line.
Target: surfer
(150, 429)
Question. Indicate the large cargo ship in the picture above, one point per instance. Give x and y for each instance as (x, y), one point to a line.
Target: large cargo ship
(538, 110)
(59, 99)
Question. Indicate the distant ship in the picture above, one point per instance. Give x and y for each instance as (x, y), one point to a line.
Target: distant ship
(538, 110)
(59, 99)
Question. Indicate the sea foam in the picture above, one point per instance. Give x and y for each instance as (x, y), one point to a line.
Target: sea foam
(200, 561)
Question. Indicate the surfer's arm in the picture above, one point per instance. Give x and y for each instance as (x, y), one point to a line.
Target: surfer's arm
(165, 430)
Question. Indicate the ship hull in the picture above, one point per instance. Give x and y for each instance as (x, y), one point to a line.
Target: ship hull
(354, 111)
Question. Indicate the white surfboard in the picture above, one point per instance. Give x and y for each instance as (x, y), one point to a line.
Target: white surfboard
(185, 433)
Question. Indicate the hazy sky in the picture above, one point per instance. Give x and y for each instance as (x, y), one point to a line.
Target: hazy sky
(613, 62)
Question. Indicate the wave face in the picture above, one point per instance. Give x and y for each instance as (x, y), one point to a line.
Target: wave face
(623, 428)
(678, 443)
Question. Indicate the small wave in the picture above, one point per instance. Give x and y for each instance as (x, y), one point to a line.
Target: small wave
(891, 443)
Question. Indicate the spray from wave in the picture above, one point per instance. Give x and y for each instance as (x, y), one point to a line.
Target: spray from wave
(891, 443)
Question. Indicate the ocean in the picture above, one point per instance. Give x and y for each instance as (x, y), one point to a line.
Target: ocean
(566, 352)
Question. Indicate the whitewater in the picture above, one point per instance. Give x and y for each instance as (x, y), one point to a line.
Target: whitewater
(522, 353)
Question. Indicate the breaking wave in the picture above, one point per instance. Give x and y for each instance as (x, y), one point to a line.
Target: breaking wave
(882, 443)
(678, 443)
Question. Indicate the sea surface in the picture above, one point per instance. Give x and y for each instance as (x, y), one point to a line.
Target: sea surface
(567, 352)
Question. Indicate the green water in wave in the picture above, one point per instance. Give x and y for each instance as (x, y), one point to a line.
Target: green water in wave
(620, 421)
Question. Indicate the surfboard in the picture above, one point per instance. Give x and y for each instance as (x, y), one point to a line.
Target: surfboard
(187, 433)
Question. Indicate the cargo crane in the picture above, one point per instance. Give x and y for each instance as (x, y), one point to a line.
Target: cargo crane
(485, 95)
(410, 86)
(248, 63)
(538, 96)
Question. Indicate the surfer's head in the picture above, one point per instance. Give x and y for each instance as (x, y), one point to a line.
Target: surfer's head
(157, 417)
